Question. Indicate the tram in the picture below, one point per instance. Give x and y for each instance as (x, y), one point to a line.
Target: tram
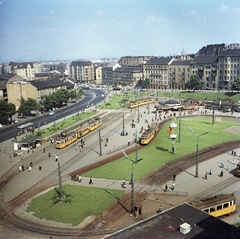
(218, 205)
(136, 104)
(149, 134)
(67, 139)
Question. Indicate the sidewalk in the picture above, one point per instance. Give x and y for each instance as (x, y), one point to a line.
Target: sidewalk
(186, 183)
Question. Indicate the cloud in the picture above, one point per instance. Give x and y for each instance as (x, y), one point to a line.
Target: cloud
(228, 9)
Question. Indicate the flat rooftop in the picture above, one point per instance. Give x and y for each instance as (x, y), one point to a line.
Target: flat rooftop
(167, 225)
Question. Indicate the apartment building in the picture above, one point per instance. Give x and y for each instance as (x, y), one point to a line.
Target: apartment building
(206, 67)
(134, 60)
(26, 70)
(228, 68)
(156, 70)
(127, 76)
(18, 88)
(82, 71)
(179, 73)
(107, 73)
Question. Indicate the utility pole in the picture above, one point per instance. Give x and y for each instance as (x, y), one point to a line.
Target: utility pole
(60, 183)
(100, 142)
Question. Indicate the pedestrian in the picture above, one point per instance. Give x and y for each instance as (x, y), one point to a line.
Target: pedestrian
(10, 158)
(79, 178)
(174, 177)
(166, 188)
(206, 175)
(90, 180)
(114, 144)
(29, 168)
(173, 185)
(221, 174)
(20, 168)
(56, 158)
(123, 183)
(31, 164)
(40, 167)
(106, 140)
(43, 150)
(4, 150)
(228, 167)
(210, 172)
(28, 151)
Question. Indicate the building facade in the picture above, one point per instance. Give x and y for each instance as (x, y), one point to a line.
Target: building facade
(228, 68)
(107, 73)
(82, 71)
(127, 76)
(156, 70)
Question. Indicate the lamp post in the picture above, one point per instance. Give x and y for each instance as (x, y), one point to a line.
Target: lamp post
(132, 176)
(213, 115)
(197, 136)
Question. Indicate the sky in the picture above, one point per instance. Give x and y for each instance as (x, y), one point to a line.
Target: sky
(45, 30)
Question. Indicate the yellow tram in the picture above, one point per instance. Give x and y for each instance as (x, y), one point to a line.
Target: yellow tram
(66, 140)
(218, 205)
(149, 134)
(136, 104)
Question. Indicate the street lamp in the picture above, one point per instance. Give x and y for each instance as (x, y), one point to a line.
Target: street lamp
(132, 177)
(197, 136)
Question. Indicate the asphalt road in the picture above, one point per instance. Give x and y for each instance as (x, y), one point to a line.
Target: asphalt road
(92, 97)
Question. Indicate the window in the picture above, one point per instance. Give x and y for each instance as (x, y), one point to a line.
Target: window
(226, 205)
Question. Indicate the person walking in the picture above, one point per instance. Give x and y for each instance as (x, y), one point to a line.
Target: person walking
(211, 171)
(90, 180)
(56, 158)
(166, 188)
(206, 175)
(20, 168)
(174, 177)
(29, 169)
(173, 185)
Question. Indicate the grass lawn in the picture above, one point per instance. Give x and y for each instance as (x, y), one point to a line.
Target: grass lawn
(63, 124)
(86, 202)
(159, 151)
(122, 99)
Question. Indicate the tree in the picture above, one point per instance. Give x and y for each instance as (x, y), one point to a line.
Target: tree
(146, 83)
(236, 84)
(26, 106)
(194, 83)
(7, 110)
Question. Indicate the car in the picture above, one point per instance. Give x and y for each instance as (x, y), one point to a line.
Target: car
(1, 126)
(51, 113)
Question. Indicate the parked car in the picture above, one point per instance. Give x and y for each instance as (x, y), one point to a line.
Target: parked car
(51, 113)
(1, 126)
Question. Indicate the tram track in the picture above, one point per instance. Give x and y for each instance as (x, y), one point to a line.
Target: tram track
(7, 210)
(159, 176)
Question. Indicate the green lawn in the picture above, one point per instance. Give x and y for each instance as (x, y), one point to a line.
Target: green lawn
(122, 99)
(159, 151)
(93, 201)
(86, 202)
(65, 123)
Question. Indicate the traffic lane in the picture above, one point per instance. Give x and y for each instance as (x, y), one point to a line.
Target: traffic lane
(89, 98)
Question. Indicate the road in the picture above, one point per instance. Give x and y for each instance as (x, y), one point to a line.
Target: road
(92, 97)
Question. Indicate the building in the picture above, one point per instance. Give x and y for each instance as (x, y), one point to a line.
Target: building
(156, 70)
(98, 74)
(206, 67)
(228, 68)
(179, 73)
(107, 73)
(82, 71)
(134, 60)
(127, 76)
(26, 70)
(35, 89)
(182, 221)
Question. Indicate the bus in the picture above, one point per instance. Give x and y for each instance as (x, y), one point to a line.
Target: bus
(24, 128)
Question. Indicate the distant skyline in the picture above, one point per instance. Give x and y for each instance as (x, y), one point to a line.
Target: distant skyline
(42, 30)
